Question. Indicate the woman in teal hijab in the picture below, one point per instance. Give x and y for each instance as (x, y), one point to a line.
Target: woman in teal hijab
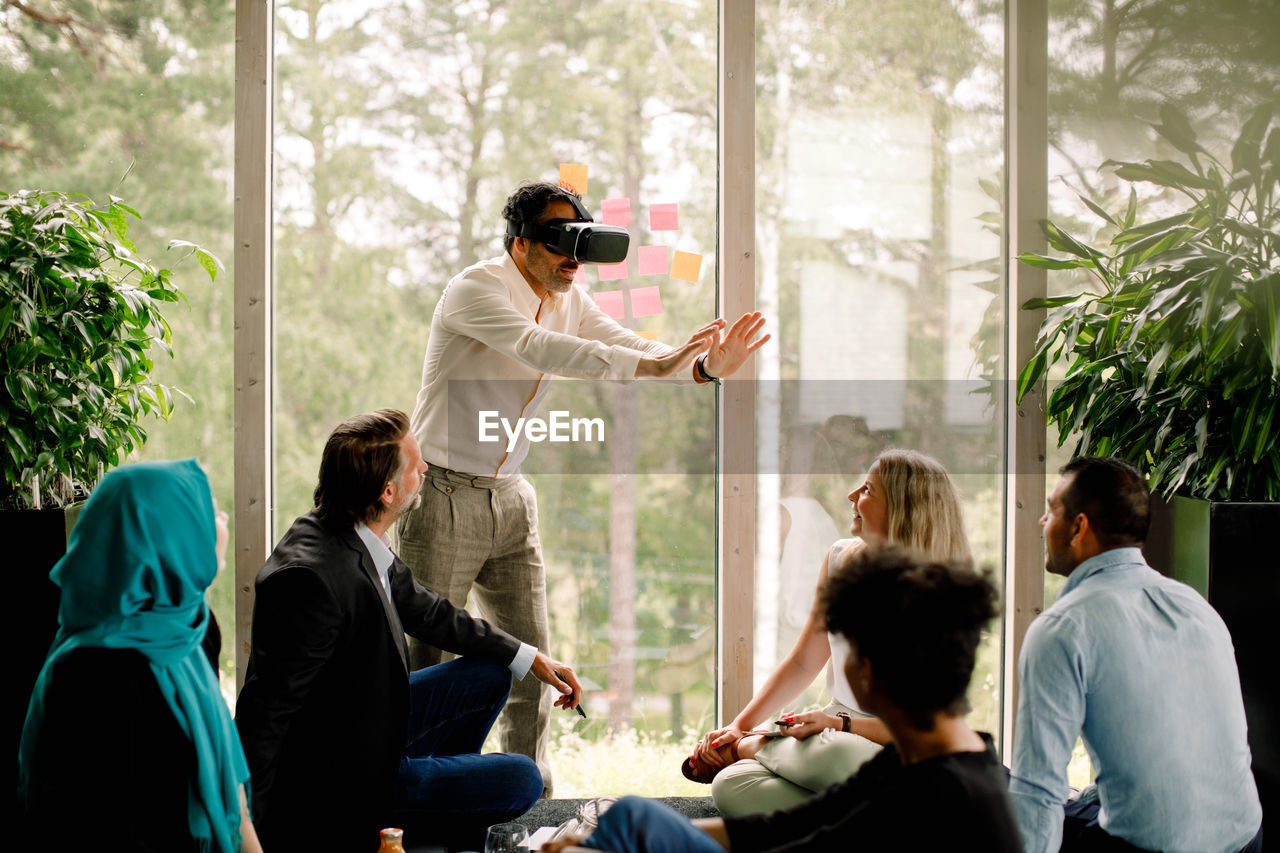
(154, 765)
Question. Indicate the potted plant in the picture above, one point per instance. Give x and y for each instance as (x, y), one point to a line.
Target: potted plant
(1172, 358)
(79, 317)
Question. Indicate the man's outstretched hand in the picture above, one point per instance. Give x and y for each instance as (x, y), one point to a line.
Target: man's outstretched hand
(659, 367)
(561, 677)
(725, 356)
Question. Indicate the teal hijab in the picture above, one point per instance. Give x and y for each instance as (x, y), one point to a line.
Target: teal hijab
(134, 576)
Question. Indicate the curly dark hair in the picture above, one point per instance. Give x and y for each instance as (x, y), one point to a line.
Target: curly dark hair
(360, 457)
(528, 202)
(1113, 495)
(919, 622)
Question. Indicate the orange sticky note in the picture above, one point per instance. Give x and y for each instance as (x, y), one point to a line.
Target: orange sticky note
(574, 175)
(686, 266)
(648, 336)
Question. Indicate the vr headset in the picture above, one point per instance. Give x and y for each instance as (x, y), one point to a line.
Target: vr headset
(582, 239)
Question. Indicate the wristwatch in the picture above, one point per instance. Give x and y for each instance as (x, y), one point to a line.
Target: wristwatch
(846, 722)
(702, 371)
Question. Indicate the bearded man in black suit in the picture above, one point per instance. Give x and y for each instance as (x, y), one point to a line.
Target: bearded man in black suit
(340, 736)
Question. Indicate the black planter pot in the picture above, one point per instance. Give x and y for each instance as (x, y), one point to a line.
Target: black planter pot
(40, 539)
(1229, 553)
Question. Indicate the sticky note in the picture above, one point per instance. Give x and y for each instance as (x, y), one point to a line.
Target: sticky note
(612, 272)
(574, 175)
(653, 260)
(616, 211)
(580, 276)
(610, 302)
(648, 336)
(664, 217)
(645, 302)
(686, 266)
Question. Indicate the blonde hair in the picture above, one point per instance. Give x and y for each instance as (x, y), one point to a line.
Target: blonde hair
(923, 505)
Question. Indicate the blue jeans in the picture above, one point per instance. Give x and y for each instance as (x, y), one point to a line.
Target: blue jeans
(446, 791)
(1081, 832)
(637, 825)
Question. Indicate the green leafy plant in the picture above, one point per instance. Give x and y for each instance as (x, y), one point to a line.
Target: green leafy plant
(78, 320)
(1173, 360)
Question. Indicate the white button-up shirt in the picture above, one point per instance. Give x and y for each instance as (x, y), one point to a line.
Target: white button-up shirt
(379, 548)
(493, 347)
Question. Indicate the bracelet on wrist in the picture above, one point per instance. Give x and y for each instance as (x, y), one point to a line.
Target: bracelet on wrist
(701, 371)
(846, 722)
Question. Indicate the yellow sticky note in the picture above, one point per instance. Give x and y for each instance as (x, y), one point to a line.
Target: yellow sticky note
(648, 336)
(686, 266)
(574, 175)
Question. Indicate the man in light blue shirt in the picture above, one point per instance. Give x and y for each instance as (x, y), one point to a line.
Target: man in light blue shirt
(1141, 667)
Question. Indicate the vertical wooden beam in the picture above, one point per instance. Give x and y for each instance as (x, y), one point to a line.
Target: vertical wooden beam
(1027, 123)
(736, 285)
(252, 339)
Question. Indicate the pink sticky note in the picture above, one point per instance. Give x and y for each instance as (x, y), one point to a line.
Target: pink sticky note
(645, 302)
(610, 302)
(664, 217)
(616, 211)
(653, 260)
(612, 272)
(574, 175)
(686, 266)
(580, 276)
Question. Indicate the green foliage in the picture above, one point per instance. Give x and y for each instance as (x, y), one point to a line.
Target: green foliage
(79, 317)
(1174, 364)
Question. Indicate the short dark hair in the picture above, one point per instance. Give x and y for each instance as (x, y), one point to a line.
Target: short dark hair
(1114, 496)
(919, 622)
(528, 202)
(360, 457)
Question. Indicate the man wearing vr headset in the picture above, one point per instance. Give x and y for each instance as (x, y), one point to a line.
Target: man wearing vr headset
(501, 330)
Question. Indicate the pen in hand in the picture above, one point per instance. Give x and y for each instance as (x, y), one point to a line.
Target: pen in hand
(581, 713)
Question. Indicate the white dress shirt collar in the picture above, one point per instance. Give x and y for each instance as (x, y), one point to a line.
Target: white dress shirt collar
(379, 548)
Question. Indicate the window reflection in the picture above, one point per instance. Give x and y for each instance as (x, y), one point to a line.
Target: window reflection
(878, 229)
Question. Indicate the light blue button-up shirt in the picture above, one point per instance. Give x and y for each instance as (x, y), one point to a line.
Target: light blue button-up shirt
(1143, 668)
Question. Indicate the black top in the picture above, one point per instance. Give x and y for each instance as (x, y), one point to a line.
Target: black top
(952, 802)
(124, 761)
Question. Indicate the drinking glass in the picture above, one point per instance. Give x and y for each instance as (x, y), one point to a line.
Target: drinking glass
(506, 838)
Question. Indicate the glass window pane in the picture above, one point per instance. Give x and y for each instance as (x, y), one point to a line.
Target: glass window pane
(135, 100)
(400, 130)
(1115, 70)
(880, 155)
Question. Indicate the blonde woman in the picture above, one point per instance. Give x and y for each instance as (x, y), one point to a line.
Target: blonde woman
(907, 499)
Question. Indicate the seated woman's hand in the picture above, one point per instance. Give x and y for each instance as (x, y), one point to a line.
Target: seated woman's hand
(711, 748)
(808, 723)
(563, 842)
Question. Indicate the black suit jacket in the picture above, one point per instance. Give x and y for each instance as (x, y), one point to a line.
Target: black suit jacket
(325, 703)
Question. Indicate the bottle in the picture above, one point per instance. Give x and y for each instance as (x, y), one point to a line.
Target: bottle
(392, 840)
